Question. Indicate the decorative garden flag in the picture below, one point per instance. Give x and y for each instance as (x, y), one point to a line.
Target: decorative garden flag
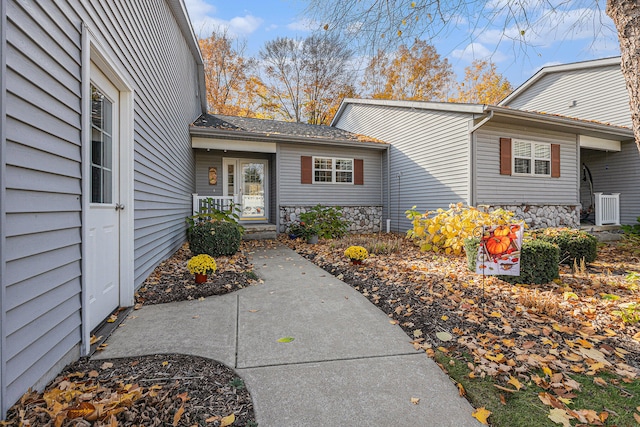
(499, 250)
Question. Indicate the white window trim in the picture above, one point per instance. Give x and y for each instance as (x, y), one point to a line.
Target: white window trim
(333, 170)
(533, 158)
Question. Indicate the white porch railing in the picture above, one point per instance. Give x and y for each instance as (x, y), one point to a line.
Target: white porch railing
(607, 208)
(205, 204)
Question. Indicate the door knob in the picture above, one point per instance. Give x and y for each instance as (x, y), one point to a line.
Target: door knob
(119, 207)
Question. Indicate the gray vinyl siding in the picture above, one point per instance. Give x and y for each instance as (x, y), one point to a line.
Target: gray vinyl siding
(616, 172)
(429, 155)
(41, 280)
(292, 193)
(493, 188)
(600, 94)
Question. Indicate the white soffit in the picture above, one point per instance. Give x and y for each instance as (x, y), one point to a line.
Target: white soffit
(221, 144)
(599, 143)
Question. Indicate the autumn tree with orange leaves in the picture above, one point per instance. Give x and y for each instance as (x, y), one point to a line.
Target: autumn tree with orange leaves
(232, 86)
(482, 84)
(416, 73)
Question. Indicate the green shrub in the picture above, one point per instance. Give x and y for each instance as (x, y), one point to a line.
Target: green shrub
(575, 245)
(632, 229)
(215, 238)
(538, 263)
(327, 220)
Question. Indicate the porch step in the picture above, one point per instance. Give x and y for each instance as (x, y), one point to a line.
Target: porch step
(604, 233)
(259, 231)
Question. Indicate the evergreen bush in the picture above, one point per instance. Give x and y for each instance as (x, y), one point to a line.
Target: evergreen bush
(215, 238)
(538, 263)
(575, 245)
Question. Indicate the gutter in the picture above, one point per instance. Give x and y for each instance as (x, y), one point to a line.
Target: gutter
(279, 138)
(574, 124)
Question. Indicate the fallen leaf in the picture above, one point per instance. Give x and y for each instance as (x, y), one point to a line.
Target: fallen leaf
(559, 416)
(461, 390)
(637, 417)
(286, 339)
(481, 414)
(599, 381)
(417, 333)
(228, 420)
(106, 365)
(415, 400)
(514, 382)
(444, 336)
(178, 415)
(212, 419)
(82, 410)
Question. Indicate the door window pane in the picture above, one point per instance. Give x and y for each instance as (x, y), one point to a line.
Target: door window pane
(101, 148)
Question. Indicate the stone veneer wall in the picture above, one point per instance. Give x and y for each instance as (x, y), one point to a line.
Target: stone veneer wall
(542, 216)
(363, 219)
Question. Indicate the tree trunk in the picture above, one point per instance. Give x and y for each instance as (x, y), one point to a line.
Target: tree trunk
(626, 17)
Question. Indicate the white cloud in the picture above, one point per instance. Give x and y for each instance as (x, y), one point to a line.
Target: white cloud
(478, 51)
(303, 24)
(204, 20)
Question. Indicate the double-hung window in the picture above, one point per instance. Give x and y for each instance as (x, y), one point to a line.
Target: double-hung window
(332, 170)
(531, 158)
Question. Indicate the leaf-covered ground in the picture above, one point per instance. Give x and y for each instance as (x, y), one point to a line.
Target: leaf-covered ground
(521, 334)
(159, 390)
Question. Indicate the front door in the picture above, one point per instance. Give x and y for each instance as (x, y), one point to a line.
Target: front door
(246, 181)
(103, 254)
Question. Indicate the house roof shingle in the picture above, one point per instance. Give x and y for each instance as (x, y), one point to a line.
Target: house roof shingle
(273, 129)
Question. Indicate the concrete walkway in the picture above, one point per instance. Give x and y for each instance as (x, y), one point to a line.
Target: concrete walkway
(347, 365)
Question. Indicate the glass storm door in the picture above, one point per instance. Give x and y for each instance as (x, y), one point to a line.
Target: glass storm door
(103, 252)
(245, 180)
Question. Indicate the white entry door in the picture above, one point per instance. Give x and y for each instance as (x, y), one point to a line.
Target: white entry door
(103, 224)
(246, 180)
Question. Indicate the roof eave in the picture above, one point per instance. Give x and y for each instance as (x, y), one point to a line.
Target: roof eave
(576, 124)
(278, 137)
(605, 62)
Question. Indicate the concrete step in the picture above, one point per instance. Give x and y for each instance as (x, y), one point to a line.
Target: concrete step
(604, 233)
(259, 231)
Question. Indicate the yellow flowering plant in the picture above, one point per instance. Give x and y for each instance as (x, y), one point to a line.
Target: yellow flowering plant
(357, 253)
(202, 264)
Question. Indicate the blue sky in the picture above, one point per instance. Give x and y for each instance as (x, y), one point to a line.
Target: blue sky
(555, 38)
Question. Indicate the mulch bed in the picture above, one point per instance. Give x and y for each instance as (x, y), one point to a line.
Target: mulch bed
(159, 390)
(171, 280)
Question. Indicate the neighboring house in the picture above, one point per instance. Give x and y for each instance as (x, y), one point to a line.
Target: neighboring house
(275, 170)
(442, 153)
(96, 168)
(590, 90)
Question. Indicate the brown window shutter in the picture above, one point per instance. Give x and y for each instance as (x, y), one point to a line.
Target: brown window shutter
(505, 156)
(306, 170)
(555, 160)
(358, 172)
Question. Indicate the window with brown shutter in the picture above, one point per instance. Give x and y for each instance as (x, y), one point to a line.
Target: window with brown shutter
(505, 156)
(555, 160)
(358, 171)
(306, 170)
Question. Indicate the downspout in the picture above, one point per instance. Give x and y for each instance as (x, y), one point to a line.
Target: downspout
(472, 159)
(3, 122)
(389, 182)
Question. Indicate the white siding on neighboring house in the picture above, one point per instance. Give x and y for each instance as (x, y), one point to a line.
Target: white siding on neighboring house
(495, 189)
(429, 154)
(41, 321)
(599, 93)
(616, 172)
